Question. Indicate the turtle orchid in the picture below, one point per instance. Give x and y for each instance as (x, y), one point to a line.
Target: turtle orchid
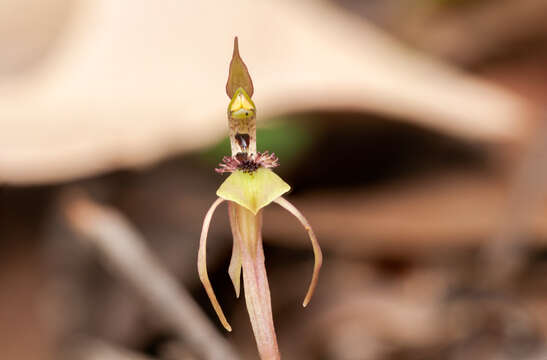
(251, 186)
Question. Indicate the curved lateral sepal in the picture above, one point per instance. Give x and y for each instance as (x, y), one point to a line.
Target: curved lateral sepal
(202, 264)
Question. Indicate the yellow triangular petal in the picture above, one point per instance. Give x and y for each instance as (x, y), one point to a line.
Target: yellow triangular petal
(253, 190)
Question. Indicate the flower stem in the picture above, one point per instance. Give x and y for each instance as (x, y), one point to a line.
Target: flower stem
(247, 231)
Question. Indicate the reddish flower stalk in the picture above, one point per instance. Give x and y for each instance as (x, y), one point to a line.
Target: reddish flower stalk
(247, 232)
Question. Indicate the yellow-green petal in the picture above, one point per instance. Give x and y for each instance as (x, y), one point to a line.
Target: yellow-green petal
(253, 190)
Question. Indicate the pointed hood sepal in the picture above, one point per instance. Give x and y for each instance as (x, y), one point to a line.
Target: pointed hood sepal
(238, 76)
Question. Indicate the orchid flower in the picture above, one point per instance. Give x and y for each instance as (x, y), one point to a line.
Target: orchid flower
(251, 186)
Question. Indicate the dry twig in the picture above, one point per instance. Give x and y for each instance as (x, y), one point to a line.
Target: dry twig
(125, 253)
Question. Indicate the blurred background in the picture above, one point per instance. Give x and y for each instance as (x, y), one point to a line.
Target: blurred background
(412, 134)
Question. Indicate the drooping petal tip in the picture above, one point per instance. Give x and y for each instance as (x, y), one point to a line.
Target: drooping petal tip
(318, 255)
(234, 269)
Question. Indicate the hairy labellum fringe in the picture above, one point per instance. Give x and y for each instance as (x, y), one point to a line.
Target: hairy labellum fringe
(247, 162)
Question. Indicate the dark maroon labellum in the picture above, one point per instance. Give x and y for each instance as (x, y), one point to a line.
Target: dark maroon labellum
(246, 164)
